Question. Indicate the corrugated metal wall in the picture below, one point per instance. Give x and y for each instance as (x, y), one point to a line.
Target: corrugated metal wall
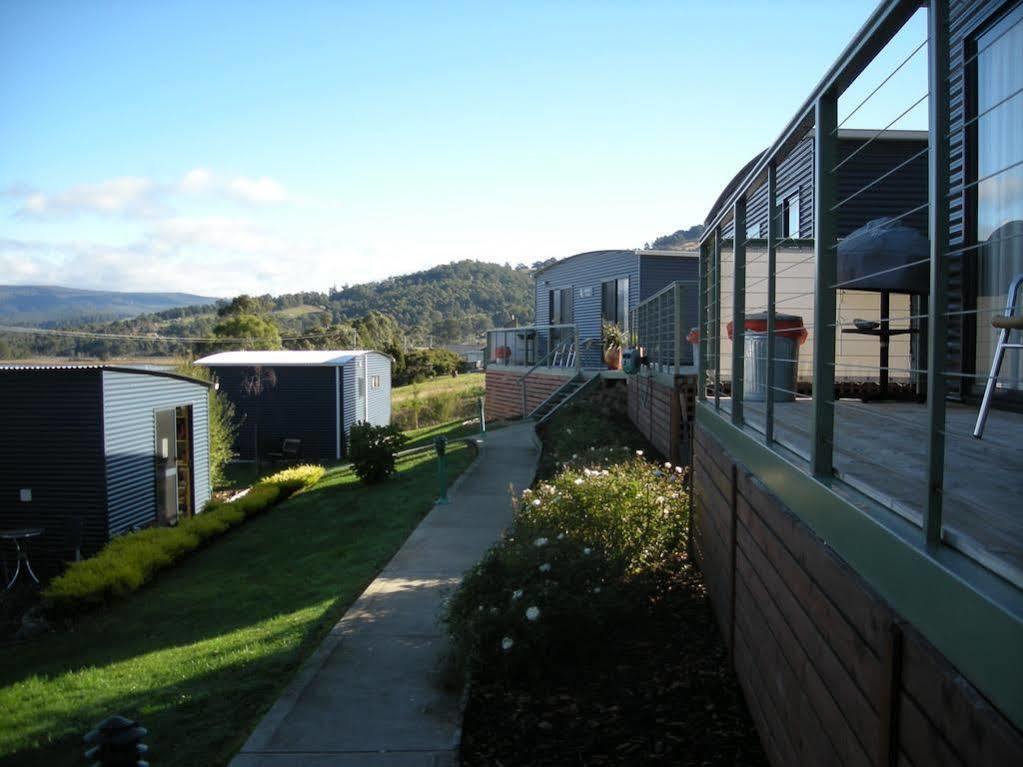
(52, 444)
(657, 271)
(349, 404)
(903, 190)
(129, 436)
(301, 405)
(380, 398)
(585, 273)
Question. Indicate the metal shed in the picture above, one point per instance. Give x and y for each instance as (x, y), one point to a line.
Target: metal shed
(89, 452)
(311, 396)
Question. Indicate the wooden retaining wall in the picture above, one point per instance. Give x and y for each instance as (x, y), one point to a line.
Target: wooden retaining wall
(662, 409)
(831, 674)
(504, 392)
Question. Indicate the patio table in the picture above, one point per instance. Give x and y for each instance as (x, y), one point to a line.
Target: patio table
(17, 536)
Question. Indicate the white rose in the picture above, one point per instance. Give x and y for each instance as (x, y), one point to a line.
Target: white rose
(532, 613)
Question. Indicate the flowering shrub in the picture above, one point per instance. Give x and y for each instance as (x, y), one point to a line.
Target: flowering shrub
(573, 566)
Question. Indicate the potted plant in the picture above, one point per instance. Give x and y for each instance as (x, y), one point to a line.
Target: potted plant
(614, 341)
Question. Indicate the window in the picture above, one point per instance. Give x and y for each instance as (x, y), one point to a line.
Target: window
(998, 201)
(753, 231)
(560, 307)
(790, 216)
(374, 382)
(614, 302)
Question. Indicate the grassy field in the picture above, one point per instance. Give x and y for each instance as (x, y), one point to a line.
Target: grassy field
(461, 384)
(200, 655)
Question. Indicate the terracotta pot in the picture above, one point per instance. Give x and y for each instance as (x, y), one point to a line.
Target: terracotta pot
(613, 358)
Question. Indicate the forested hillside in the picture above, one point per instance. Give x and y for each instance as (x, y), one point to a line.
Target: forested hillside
(452, 303)
(49, 304)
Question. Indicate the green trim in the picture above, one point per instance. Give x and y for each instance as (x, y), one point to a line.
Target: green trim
(973, 617)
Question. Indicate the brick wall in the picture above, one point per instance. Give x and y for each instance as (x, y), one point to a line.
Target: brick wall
(663, 413)
(831, 674)
(504, 393)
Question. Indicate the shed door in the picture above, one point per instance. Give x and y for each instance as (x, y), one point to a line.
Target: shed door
(166, 468)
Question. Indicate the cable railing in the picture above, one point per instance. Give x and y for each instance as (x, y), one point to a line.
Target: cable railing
(897, 318)
(660, 324)
(550, 346)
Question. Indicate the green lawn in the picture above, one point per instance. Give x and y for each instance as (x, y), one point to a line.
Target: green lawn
(452, 430)
(463, 383)
(201, 654)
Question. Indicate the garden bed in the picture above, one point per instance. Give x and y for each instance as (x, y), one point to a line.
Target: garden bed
(634, 671)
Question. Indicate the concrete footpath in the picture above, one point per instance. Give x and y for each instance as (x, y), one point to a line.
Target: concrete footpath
(372, 694)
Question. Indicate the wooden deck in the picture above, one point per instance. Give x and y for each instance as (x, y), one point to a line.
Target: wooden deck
(881, 450)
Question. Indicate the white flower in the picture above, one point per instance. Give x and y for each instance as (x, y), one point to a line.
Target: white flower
(660, 499)
(569, 431)
(575, 455)
(507, 643)
(604, 473)
(527, 491)
(578, 480)
(536, 501)
(667, 464)
(479, 609)
(678, 469)
(540, 542)
(639, 452)
(587, 551)
(592, 448)
(532, 613)
(517, 594)
(561, 536)
(545, 567)
(596, 589)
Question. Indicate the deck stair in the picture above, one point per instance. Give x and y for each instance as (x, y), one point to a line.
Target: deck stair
(561, 396)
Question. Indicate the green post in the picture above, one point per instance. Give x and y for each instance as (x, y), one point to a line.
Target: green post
(440, 445)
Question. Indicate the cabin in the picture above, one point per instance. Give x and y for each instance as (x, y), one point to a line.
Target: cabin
(573, 298)
(855, 508)
(90, 452)
(310, 398)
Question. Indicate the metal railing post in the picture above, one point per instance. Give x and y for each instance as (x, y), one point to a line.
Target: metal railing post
(738, 305)
(701, 324)
(716, 298)
(678, 327)
(772, 297)
(938, 228)
(825, 274)
(578, 349)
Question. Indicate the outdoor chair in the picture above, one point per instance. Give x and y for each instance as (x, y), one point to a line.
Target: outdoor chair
(1005, 323)
(290, 451)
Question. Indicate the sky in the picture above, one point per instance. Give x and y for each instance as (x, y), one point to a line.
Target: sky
(272, 147)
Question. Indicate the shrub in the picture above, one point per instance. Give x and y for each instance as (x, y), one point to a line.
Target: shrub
(417, 412)
(583, 551)
(129, 561)
(372, 450)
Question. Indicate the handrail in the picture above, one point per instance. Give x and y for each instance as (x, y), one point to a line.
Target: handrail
(526, 327)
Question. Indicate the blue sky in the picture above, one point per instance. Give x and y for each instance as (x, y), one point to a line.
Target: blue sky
(221, 147)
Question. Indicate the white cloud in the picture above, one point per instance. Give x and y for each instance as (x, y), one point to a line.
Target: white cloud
(126, 195)
(143, 197)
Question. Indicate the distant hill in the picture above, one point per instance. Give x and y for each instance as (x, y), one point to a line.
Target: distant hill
(683, 239)
(48, 305)
(452, 303)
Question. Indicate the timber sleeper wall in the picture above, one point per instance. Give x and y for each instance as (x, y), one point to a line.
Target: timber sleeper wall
(504, 392)
(831, 674)
(663, 413)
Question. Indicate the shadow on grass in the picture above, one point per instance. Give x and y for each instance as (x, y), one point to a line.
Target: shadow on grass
(202, 652)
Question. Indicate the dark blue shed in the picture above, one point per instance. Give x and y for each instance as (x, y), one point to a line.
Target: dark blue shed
(89, 452)
(311, 396)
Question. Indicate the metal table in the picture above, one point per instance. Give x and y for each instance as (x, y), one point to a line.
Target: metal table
(883, 332)
(17, 536)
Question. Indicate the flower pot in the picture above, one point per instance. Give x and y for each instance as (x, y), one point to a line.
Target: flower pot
(613, 358)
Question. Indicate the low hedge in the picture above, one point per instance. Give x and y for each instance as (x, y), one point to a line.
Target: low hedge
(131, 560)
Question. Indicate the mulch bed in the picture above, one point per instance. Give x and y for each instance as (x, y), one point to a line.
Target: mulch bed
(664, 694)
